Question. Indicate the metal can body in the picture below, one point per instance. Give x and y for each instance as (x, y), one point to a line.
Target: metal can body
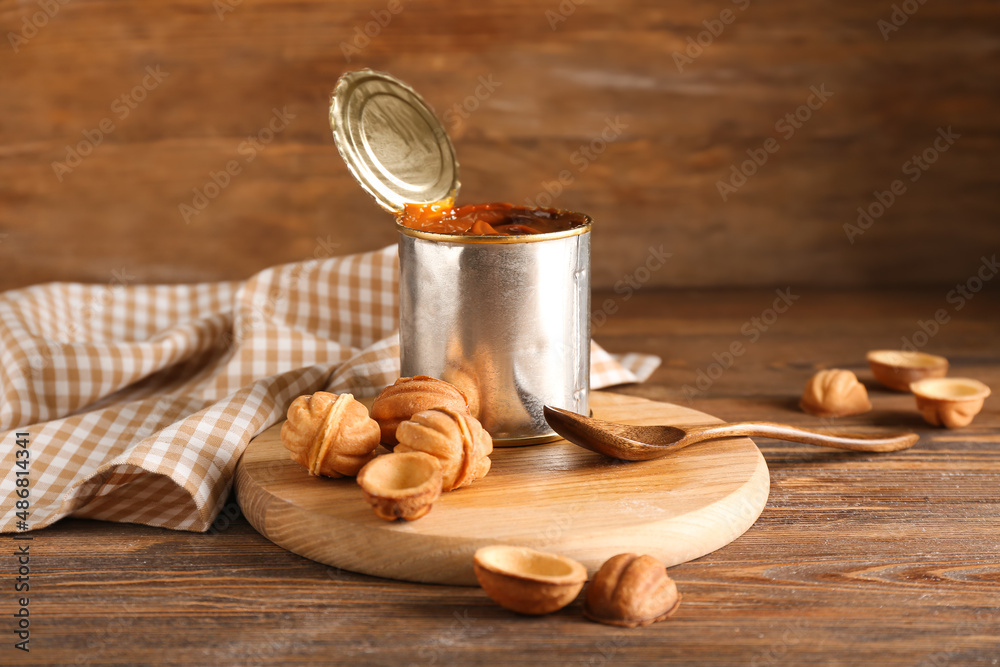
(506, 319)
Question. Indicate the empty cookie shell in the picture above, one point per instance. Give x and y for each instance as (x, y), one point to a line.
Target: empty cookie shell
(528, 581)
(897, 369)
(401, 485)
(949, 402)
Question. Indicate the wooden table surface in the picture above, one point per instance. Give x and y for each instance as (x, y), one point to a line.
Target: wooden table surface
(857, 559)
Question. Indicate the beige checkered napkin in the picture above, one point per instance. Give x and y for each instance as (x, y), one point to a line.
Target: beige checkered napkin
(139, 400)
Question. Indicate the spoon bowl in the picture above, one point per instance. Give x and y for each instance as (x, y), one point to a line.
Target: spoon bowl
(642, 443)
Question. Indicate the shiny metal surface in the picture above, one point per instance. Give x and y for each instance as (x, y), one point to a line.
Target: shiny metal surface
(392, 142)
(508, 323)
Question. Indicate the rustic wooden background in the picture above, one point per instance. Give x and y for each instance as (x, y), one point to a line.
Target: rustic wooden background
(564, 70)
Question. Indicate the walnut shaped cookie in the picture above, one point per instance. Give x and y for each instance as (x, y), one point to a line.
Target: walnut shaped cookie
(330, 434)
(631, 591)
(408, 396)
(835, 393)
(456, 439)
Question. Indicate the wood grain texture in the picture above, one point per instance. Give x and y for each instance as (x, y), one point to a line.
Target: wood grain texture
(653, 185)
(887, 559)
(555, 497)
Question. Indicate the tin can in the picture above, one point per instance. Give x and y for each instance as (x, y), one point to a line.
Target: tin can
(504, 318)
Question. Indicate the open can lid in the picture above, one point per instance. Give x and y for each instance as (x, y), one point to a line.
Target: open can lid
(391, 141)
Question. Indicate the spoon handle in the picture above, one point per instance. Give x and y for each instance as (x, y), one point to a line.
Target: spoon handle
(856, 443)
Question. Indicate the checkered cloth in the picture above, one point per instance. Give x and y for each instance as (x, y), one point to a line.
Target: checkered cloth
(139, 400)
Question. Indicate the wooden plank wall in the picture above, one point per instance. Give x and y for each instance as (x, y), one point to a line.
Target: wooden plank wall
(210, 75)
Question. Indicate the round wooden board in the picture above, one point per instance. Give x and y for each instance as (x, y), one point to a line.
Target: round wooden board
(554, 497)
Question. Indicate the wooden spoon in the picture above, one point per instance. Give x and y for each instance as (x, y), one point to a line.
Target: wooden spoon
(642, 443)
